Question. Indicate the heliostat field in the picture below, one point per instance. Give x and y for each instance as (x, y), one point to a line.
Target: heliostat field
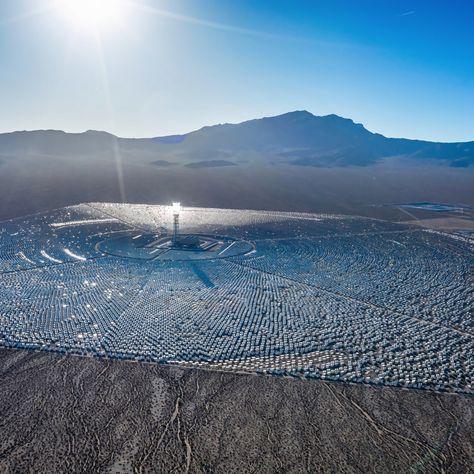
(323, 296)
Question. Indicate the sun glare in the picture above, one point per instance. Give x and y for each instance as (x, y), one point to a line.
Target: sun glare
(92, 13)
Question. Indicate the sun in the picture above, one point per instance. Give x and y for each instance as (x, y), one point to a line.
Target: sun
(93, 14)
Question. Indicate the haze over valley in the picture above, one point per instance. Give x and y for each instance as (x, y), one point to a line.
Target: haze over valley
(295, 161)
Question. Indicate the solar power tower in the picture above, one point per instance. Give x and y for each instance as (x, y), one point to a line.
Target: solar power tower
(176, 207)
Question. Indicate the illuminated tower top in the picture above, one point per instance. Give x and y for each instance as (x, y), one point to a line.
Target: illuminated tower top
(176, 208)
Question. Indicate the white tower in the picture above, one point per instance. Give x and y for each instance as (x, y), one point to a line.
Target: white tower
(176, 207)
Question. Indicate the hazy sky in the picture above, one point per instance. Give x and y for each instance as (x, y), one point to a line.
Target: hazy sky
(402, 68)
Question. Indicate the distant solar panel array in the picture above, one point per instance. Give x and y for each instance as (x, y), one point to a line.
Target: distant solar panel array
(340, 298)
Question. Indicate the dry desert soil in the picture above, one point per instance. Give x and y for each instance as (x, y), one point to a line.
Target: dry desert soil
(66, 414)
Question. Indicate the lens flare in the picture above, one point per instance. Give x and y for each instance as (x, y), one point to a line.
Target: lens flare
(92, 13)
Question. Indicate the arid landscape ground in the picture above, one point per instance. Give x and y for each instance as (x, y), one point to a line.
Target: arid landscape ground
(116, 417)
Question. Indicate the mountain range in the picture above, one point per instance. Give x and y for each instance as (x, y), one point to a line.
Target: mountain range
(298, 138)
(271, 159)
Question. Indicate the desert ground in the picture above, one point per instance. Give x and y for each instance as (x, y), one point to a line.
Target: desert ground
(84, 415)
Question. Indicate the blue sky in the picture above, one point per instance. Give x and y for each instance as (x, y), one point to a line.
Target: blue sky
(402, 68)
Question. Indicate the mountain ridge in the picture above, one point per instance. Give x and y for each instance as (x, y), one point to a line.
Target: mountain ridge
(291, 114)
(296, 138)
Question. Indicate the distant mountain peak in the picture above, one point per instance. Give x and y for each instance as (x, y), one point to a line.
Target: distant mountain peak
(296, 113)
(99, 132)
